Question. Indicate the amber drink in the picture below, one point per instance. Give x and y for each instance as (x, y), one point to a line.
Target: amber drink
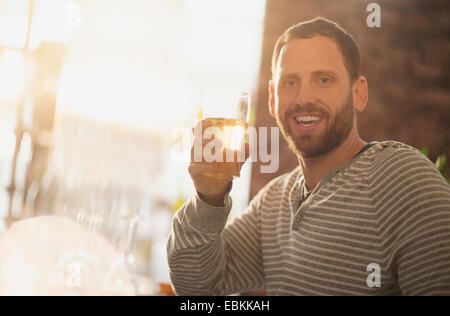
(226, 111)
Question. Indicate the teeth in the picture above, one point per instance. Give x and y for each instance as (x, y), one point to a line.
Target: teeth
(307, 118)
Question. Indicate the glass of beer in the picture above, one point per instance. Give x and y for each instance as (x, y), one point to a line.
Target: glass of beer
(227, 111)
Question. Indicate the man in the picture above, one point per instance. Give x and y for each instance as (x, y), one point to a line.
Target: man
(352, 219)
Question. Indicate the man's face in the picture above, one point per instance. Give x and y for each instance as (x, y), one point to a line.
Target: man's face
(311, 96)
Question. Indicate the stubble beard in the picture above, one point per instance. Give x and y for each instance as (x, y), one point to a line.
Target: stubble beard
(337, 130)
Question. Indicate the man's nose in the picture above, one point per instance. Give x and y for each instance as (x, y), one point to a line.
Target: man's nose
(305, 94)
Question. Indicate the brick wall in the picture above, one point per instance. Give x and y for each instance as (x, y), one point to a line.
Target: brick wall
(405, 61)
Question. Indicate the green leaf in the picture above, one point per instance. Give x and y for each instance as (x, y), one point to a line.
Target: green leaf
(425, 151)
(441, 162)
(178, 204)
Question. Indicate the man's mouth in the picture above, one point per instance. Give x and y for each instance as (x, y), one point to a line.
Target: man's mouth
(306, 122)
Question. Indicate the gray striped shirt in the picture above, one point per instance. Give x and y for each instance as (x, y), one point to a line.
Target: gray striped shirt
(389, 206)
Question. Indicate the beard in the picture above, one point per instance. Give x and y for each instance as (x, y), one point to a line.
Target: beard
(337, 130)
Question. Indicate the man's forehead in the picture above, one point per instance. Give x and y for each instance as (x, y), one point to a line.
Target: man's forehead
(310, 54)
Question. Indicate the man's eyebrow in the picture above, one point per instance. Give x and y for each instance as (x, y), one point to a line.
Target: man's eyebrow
(289, 76)
(315, 73)
(326, 73)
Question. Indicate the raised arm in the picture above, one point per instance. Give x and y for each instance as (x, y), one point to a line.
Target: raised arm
(207, 259)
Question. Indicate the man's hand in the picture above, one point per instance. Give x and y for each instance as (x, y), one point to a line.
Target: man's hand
(211, 185)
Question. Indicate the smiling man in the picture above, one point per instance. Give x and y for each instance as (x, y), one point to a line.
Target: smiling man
(354, 218)
(313, 96)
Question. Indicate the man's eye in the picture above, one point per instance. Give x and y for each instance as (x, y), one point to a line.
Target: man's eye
(324, 80)
(289, 83)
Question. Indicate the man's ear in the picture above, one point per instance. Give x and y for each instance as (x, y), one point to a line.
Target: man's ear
(271, 98)
(360, 94)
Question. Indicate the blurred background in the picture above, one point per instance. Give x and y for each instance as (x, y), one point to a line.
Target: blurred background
(96, 96)
(96, 99)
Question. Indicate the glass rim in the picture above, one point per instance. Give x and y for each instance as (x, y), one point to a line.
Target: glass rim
(230, 92)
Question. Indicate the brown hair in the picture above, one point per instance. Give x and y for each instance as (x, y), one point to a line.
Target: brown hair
(326, 28)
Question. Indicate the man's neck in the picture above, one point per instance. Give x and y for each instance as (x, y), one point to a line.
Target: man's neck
(314, 169)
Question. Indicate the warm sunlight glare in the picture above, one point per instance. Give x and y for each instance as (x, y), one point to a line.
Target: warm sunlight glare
(12, 75)
(52, 255)
(148, 65)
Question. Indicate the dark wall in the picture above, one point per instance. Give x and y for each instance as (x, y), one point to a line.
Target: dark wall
(405, 61)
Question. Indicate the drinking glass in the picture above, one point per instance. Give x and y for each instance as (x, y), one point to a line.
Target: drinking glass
(227, 111)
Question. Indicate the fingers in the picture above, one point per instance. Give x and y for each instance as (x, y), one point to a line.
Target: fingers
(200, 141)
(197, 168)
(215, 174)
(207, 150)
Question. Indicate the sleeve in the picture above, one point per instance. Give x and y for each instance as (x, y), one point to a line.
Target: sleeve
(422, 244)
(207, 258)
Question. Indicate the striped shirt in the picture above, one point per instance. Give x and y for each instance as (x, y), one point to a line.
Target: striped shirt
(376, 225)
